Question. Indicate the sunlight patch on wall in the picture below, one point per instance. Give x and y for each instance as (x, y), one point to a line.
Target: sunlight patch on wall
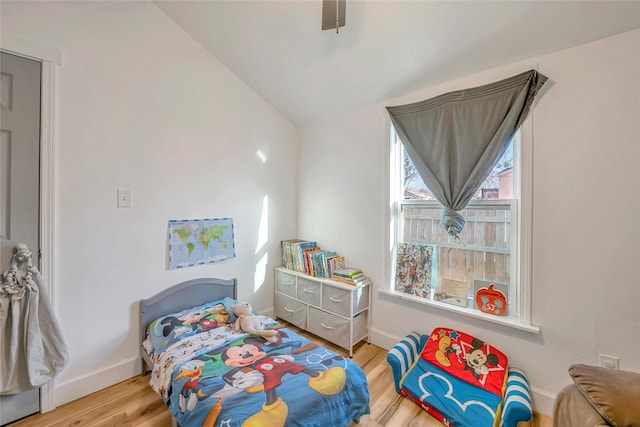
(262, 156)
(263, 228)
(263, 238)
(261, 272)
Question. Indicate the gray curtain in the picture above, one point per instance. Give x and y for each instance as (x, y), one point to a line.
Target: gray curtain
(455, 139)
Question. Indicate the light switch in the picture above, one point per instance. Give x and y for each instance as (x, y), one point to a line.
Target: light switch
(125, 198)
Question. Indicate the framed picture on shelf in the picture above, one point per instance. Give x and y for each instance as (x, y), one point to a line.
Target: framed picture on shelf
(451, 291)
(413, 269)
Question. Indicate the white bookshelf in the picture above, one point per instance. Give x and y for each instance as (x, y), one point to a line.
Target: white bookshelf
(335, 311)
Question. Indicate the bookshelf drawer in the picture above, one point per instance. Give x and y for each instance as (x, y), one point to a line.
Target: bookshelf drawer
(330, 327)
(360, 327)
(309, 291)
(361, 298)
(291, 310)
(286, 283)
(337, 300)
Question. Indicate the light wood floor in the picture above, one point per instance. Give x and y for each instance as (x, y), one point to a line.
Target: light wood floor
(133, 403)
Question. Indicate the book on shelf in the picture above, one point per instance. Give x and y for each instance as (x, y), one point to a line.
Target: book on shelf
(348, 272)
(354, 282)
(353, 277)
(300, 254)
(335, 263)
(319, 262)
(287, 254)
(307, 257)
(315, 261)
(293, 253)
(307, 262)
(323, 262)
(329, 263)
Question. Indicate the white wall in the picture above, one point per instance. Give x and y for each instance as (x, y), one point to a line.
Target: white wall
(142, 106)
(586, 230)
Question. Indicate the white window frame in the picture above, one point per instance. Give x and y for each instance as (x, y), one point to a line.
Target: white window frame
(521, 217)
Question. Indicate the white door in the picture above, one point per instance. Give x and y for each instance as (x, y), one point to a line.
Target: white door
(19, 183)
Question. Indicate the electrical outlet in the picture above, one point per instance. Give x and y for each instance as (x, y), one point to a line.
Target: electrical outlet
(610, 362)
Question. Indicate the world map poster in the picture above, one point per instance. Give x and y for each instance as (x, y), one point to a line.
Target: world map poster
(200, 241)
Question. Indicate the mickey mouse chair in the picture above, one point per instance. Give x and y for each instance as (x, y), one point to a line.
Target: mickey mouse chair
(460, 380)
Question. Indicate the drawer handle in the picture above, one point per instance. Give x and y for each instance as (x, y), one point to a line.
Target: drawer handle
(287, 310)
(335, 299)
(325, 326)
(309, 291)
(289, 283)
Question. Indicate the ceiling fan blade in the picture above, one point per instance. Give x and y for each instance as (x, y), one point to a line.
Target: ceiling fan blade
(329, 9)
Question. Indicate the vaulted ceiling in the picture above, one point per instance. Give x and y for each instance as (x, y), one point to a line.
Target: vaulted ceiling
(387, 48)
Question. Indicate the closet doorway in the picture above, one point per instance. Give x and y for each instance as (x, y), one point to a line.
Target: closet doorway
(20, 99)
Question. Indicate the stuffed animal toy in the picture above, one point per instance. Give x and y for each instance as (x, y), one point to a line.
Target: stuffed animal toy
(249, 322)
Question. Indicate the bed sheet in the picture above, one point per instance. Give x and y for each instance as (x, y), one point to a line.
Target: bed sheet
(222, 378)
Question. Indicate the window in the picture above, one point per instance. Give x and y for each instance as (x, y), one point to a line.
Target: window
(493, 247)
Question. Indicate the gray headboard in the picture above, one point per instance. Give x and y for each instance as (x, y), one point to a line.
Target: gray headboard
(191, 293)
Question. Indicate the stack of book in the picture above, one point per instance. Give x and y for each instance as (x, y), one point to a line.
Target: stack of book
(307, 257)
(322, 263)
(350, 275)
(293, 252)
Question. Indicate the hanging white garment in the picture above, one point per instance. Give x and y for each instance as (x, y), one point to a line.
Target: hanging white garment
(32, 348)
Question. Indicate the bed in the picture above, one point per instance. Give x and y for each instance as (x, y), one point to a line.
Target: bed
(210, 375)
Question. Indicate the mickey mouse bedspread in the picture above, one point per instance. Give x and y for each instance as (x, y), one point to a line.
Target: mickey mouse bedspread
(217, 377)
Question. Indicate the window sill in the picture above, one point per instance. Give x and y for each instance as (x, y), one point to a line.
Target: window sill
(475, 314)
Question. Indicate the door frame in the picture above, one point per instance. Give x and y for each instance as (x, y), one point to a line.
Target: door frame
(51, 59)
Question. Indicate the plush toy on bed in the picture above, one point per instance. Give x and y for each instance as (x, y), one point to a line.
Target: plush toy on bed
(249, 322)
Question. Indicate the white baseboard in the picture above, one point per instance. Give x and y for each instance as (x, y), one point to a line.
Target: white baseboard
(542, 399)
(79, 387)
(384, 339)
(269, 312)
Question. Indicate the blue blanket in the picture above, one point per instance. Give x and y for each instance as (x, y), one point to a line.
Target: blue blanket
(222, 378)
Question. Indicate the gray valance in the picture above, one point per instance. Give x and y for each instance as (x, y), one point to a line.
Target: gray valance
(455, 139)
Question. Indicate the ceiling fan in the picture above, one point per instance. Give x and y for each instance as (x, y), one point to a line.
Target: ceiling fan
(333, 14)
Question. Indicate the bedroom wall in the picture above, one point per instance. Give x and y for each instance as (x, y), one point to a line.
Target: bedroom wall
(143, 106)
(586, 218)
